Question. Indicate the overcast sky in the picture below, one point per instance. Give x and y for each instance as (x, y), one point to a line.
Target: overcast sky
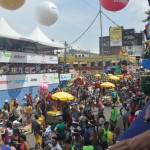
(74, 18)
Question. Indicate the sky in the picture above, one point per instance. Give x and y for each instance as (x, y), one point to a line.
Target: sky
(75, 16)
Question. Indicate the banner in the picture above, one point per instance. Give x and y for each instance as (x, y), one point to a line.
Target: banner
(115, 34)
(26, 80)
(19, 57)
(148, 30)
(64, 77)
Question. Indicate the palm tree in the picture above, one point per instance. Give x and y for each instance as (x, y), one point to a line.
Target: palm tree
(148, 16)
(147, 13)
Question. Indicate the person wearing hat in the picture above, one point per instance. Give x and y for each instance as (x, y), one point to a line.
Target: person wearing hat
(76, 139)
(75, 125)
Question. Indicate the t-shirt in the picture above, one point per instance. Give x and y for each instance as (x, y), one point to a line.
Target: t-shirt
(57, 147)
(110, 136)
(114, 94)
(61, 128)
(114, 114)
(90, 147)
(17, 111)
(28, 109)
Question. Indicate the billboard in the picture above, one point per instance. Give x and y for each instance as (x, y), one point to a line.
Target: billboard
(115, 34)
(27, 80)
(147, 27)
(19, 57)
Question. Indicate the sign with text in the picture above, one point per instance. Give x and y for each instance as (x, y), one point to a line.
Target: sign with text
(115, 36)
(26, 80)
(64, 77)
(19, 57)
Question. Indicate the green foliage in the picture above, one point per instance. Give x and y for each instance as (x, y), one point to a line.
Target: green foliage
(148, 16)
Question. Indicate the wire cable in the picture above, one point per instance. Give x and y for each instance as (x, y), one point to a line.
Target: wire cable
(86, 29)
(109, 19)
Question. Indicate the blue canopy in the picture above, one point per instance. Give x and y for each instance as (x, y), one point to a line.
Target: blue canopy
(146, 63)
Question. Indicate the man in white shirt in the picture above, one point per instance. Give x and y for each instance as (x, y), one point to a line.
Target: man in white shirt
(55, 144)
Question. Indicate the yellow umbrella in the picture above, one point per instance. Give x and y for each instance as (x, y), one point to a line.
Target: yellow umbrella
(109, 75)
(62, 96)
(107, 84)
(114, 78)
(97, 75)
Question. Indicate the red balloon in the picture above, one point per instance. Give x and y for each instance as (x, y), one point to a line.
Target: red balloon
(114, 5)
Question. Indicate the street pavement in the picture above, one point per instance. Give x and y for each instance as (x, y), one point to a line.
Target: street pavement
(31, 138)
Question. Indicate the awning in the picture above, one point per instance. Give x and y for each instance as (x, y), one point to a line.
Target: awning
(83, 62)
(75, 63)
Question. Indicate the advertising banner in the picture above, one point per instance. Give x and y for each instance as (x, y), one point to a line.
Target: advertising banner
(64, 77)
(18, 57)
(26, 80)
(115, 36)
(148, 30)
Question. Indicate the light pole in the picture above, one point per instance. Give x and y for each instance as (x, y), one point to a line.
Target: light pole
(101, 50)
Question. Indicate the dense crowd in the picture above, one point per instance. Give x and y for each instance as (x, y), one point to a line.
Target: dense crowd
(79, 128)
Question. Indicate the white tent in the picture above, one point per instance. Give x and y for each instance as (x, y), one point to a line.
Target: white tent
(7, 31)
(38, 36)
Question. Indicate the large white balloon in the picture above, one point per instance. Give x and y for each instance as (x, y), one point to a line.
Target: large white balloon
(46, 13)
(11, 4)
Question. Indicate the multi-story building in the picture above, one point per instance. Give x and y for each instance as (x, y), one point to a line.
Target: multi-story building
(132, 43)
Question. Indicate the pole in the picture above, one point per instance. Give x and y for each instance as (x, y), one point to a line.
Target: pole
(101, 50)
(65, 55)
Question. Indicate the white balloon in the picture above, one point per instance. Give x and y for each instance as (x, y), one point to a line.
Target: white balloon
(46, 13)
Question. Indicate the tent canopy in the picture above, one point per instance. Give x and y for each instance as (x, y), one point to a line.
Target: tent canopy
(38, 36)
(7, 31)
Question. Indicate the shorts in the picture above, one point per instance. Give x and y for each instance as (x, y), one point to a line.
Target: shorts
(114, 100)
(38, 138)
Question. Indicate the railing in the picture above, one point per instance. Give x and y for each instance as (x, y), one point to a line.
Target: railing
(89, 68)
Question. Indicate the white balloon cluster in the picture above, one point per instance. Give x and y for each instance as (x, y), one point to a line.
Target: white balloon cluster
(46, 12)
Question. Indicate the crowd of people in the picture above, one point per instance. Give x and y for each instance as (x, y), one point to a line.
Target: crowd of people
(79, 128)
